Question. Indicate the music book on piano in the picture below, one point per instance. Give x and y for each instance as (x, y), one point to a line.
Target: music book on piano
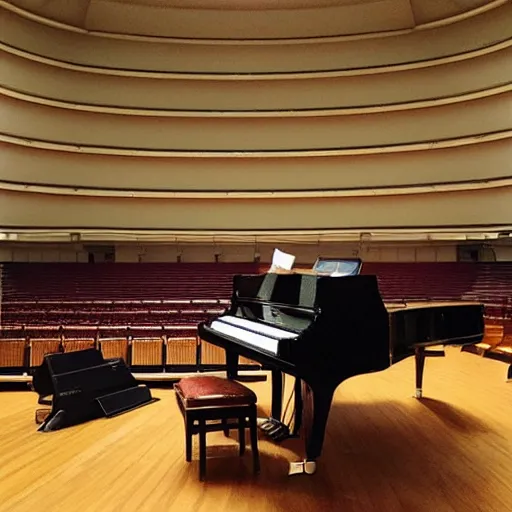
(282, 260)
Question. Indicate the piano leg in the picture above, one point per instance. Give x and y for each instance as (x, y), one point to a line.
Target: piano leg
(322, 400)
(298, 407)
(419, 355)
(509, 373)
(277, 394)
(232, 365)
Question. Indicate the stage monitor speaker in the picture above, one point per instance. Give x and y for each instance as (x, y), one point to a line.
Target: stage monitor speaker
(85, 386)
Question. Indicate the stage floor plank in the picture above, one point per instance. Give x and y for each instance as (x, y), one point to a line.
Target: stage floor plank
(384, 452)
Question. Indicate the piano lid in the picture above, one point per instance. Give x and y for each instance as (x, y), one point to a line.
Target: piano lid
(305, 291)
(298, 290)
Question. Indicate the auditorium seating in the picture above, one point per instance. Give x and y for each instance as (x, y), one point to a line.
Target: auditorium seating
(13, 353)
(436, 281)
(120, 281)
(497, 344)
(148, 313)
(145, 313)
(79, 331)
(39, 347)
(181, 352)
(493, 336)
(115, 348)
(74, 344)
(10, 332)
(147, 352)
(489, 283)
(55, 294)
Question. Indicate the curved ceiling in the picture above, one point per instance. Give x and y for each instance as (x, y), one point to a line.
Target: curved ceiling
(248, 19)
(207, 4)
(374, 114)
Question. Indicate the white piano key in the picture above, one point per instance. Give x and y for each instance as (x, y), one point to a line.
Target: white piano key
(257, 340)
(260, 328)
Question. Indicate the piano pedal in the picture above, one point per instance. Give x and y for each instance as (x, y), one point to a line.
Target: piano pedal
(307, 467)
(266, 424)
(274, 429)
(277, 427)
(279, 434)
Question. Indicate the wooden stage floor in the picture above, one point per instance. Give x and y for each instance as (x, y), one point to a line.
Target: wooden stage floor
(384, 451)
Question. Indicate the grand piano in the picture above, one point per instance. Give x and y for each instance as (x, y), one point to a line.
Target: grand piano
(324, 330)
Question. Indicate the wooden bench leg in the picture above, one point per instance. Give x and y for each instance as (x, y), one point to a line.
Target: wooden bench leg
(254, 440)
(202, 449)
(241, 434)
(509, 374)
(226, 429)
(189, 423)
(248, 419)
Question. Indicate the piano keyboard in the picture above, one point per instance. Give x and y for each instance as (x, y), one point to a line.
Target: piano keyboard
(255, 334)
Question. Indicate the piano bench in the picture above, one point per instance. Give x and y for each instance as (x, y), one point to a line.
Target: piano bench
(205, 398)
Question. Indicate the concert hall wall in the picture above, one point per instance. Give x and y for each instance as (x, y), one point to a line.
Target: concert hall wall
(121, 120)
(306, 254)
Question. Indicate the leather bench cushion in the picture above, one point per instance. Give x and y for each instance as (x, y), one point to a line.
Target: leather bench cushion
(211, 391)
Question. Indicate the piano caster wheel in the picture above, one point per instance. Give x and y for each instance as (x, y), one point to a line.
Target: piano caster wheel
(419, 393)
(307, 467)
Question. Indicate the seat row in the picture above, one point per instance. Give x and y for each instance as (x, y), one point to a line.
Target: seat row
(106, 318)
(497, 344)
(152, 303)
(146, 354)
(171, 330)
(55, 315)
(120, 281)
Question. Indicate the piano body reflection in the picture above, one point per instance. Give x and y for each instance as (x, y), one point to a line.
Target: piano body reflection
(324, 330)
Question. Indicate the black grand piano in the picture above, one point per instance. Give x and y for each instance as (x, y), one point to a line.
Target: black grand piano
(324, 330)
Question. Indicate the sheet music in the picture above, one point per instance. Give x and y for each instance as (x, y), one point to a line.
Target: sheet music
(282, 260)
